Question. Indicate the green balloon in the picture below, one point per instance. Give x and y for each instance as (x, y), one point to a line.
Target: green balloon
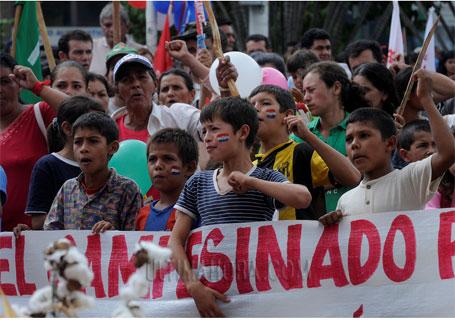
(131, 161)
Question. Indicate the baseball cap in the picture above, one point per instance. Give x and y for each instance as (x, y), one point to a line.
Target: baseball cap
(119, 49)
(129, 59)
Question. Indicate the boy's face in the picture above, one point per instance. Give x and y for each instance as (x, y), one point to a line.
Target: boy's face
(366, 149)
(166, 168)
(271, 120)
(92, 151)
(422, 147)
(220, 140)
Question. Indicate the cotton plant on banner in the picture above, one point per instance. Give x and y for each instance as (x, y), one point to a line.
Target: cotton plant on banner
(69, 273)
(148, 259)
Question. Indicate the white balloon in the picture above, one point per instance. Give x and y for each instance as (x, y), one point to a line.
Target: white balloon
(250, 73)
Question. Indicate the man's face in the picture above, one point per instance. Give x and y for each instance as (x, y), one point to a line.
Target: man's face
(108, 29)
(136, 87)
(366, 56)
(253, 46)
(80, 51)
(322, 48)
(229, 31)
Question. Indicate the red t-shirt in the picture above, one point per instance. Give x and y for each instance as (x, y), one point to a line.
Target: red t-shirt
(125, 133)
(21, 145)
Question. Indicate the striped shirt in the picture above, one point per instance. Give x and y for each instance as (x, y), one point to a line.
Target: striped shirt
(117, 202)
(201, 198)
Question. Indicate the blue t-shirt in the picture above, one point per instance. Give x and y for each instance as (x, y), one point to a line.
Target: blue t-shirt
(48, 176)
(157, 219)
(201, 199)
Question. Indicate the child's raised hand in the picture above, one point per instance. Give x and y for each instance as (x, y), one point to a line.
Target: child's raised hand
(331, 218)
(424, 86)
(19, 228)
(102, 226)
(297, 126)
(239, 182)
(225, 71)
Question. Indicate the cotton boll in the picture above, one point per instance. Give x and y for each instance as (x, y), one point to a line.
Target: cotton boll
(159, 257)
(80, 273)
(41, 301)
(136, 287)
(128, 310)
(79, 300)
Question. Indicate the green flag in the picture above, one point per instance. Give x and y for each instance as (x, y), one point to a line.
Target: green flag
(27, 45)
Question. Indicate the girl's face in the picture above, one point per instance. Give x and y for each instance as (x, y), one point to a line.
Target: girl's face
(9, 92)
(374, 96)
(319, 98)
(450, 66)
(70, 81)
(173, 89)
(98, 91)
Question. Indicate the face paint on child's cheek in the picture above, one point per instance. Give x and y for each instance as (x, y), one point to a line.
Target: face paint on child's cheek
(270, 113)
(222, 137)
(175, 171)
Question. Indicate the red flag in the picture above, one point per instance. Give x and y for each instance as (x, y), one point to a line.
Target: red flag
(163, 60)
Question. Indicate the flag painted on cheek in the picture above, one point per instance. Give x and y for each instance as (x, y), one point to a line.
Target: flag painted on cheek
(270, 113)
(175, 171)
(222, 137)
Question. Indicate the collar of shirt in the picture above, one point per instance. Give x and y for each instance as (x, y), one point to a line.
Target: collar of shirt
(110, 183)
(261, 156)
(315, 124)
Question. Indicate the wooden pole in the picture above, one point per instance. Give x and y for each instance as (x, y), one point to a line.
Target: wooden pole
(17, 19)
(417, 66)
(217, 44)
(116, 21)
(45, 37)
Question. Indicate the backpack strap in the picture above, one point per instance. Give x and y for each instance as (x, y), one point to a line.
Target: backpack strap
(39, 120)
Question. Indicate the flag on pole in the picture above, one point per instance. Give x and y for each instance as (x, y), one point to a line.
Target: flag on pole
(396, 47)
(28, 45)
(163, 60)
(429, 61)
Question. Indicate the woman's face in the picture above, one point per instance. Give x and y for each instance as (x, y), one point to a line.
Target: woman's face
(317, 96)
(374, 96)
(9, 92)
(70, 81)
(450, 66)
(136, 88)
(98, 91)
(173, 89)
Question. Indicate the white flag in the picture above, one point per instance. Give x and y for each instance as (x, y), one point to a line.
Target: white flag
(396, 47)
(429, 62)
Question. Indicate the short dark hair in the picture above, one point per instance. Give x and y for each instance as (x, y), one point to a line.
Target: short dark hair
(330, 72)
(263, 58)
(258, 37)
(234, 111)
(313, 34)
(178, 72)
(381, 78)
(69, 64)
(283, 97)
(79, 35)
(354, 49)
(100, 122)
(301, 59)
(378, 118)
(70, 110)
(91, 76)
(446, 55)
(7, 61)
(407, 134)
(184, 142)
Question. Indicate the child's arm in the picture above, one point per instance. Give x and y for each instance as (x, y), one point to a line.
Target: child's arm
(445, 144)
(54, 219)
(292, 195)
(204, 297)
(342, 169)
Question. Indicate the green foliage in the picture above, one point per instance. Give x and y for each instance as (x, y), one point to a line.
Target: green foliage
(137, 22)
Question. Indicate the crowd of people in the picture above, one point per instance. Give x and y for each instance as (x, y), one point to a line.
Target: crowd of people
(323, 142)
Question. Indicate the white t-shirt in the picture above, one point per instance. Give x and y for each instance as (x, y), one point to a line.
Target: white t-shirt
(407, 189)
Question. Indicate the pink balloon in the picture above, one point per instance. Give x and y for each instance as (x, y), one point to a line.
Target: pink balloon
(274, 77)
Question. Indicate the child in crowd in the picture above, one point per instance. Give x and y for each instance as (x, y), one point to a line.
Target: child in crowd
(98, 199)
(172, 158)
(370, 140)
(237, 192)
(300, 163)
(52, 170)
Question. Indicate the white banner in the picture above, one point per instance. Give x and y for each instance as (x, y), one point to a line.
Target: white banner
(381, 265)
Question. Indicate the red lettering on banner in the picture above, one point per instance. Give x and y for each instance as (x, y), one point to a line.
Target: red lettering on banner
(446, 246)
(211, 259)
(93, 254)
(158, 281)
(290, 275)
(23, 287)
(71, 239)
(358, 274)
(194, 239)
(242, 268)
(8, 288)
(394, 272)
(118, 262)
(328, 243)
